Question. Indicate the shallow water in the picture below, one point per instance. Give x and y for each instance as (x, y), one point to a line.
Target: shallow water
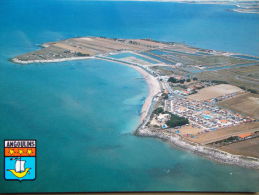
(82, 113)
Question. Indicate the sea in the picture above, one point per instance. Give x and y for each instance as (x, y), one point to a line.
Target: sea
(83, 113)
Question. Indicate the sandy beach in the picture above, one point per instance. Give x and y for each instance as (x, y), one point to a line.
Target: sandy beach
(176, 140)
(153, 88)
(153, 84)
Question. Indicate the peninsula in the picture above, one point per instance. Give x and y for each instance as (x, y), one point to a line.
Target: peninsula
(242, 6)
(202, 100)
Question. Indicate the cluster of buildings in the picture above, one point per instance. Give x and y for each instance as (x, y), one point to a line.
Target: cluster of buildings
(160, 120)
(205, 115)
(192, 88)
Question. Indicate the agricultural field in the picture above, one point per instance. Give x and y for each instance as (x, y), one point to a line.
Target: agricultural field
(214, 92)
(247, 147)
(247, 104)
(224, 133)
(246, 77)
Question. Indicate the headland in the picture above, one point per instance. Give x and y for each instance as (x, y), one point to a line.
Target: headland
(242, 6)
(189, 103)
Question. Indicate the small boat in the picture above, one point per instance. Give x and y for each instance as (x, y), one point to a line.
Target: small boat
(20, 170)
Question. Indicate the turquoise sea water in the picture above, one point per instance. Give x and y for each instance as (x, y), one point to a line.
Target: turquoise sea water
(82, 113)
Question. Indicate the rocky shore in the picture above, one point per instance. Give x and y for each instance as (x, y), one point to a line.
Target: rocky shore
(16, 60)
(67, 50)
(205, 151)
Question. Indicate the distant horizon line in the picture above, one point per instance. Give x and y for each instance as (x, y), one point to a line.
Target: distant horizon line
(214, 1)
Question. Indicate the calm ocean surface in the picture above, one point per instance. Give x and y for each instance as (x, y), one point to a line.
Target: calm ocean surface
(82, 113)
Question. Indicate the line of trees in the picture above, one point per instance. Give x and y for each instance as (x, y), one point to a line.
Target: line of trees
(174, 80)
(219, 82)
(249, 90)
(81, 54)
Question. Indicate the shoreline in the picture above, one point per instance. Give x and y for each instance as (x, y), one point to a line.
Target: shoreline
(176, 140)
(15, 60)
(204, 151)
(210, 2)
(153, 84)
(154, 89)
(210, 153)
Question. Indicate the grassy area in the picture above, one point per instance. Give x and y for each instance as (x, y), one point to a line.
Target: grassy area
(219, 60)
(167, 70)
(208, 60)
(243, 77)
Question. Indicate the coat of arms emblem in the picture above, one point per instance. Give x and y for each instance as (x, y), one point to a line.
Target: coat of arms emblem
(20, 160)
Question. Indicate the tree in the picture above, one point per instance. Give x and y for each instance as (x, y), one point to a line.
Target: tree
(81, 54)
(195, 79)
(219, 82)
(172, 80)
(252, 91)
(158, 110)
(188, 80)
(165, 95)
(176, 120)
(242, 87)
(182, 81)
